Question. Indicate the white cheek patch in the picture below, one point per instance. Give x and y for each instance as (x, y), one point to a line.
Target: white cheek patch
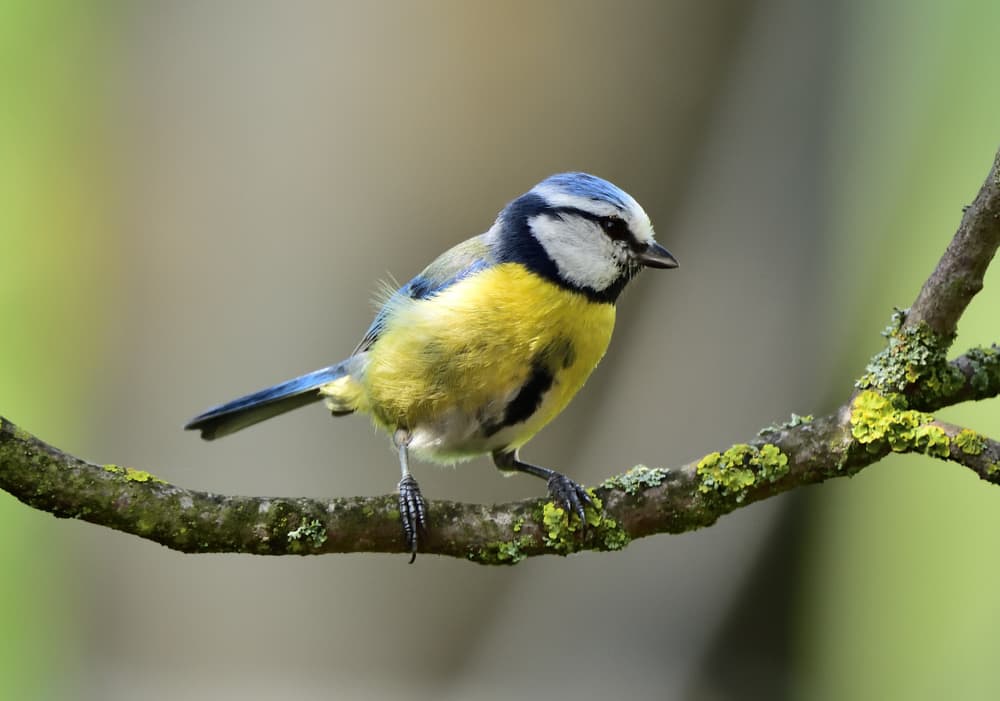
(584, 256)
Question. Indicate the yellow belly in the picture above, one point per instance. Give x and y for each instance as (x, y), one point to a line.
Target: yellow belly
(446, 367)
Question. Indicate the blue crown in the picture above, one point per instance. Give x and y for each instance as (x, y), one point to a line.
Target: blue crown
(586, 185)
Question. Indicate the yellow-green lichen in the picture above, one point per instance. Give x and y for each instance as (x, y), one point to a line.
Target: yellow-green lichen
(141, 476)
(993, 468)
(771, 463)
(312, 532)
(611, 535)
(878, 420)
(595, 514)
(502, 552)
(561, 528)
(637, 479)
(932, 440)
(734, 472)
(518, 524)
(970, 442)
(132, 475)
(914, 354)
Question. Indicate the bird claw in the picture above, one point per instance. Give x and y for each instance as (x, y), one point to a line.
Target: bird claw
(412, 513)
(570, 496)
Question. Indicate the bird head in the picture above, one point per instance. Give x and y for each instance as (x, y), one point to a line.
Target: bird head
(581, 232)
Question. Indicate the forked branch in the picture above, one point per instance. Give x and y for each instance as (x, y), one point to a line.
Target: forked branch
(887, 411)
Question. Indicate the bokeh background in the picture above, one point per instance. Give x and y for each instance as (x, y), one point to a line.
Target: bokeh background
(197, 199)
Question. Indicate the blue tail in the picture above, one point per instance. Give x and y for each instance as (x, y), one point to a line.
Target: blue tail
(246, 411)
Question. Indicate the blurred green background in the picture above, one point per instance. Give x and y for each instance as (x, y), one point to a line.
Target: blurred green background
(197, 198)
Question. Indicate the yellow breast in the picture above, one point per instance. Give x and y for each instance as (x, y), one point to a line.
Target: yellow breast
(489, 360)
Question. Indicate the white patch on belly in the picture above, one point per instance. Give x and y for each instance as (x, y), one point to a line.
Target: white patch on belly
(459, 437)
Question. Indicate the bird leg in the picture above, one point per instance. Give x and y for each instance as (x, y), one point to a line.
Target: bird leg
(564, 491)
(412, 509)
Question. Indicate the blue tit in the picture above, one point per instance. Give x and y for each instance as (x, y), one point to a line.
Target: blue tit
(489, 343)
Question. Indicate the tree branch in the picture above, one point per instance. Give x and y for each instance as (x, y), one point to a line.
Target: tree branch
(959, 274)
(887, 413)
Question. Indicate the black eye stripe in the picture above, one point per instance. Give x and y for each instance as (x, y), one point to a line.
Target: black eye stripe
(614, 227)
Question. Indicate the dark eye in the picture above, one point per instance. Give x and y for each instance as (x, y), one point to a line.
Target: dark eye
(615, 228)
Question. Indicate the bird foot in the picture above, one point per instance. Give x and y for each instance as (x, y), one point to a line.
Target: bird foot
(570, 496)
(412, 513)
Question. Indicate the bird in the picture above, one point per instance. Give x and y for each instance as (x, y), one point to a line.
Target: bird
(487, 344)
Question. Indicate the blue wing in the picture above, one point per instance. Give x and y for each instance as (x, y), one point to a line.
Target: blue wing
(456, 263)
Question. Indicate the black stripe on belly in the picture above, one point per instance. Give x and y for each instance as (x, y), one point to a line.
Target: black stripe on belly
(526, 401)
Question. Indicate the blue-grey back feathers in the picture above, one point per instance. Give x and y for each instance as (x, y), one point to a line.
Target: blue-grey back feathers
(459, 262)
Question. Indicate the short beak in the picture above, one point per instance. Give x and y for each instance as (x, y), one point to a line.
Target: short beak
(655, 256)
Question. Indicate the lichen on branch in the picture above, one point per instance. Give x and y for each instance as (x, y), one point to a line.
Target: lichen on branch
(891, 409)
